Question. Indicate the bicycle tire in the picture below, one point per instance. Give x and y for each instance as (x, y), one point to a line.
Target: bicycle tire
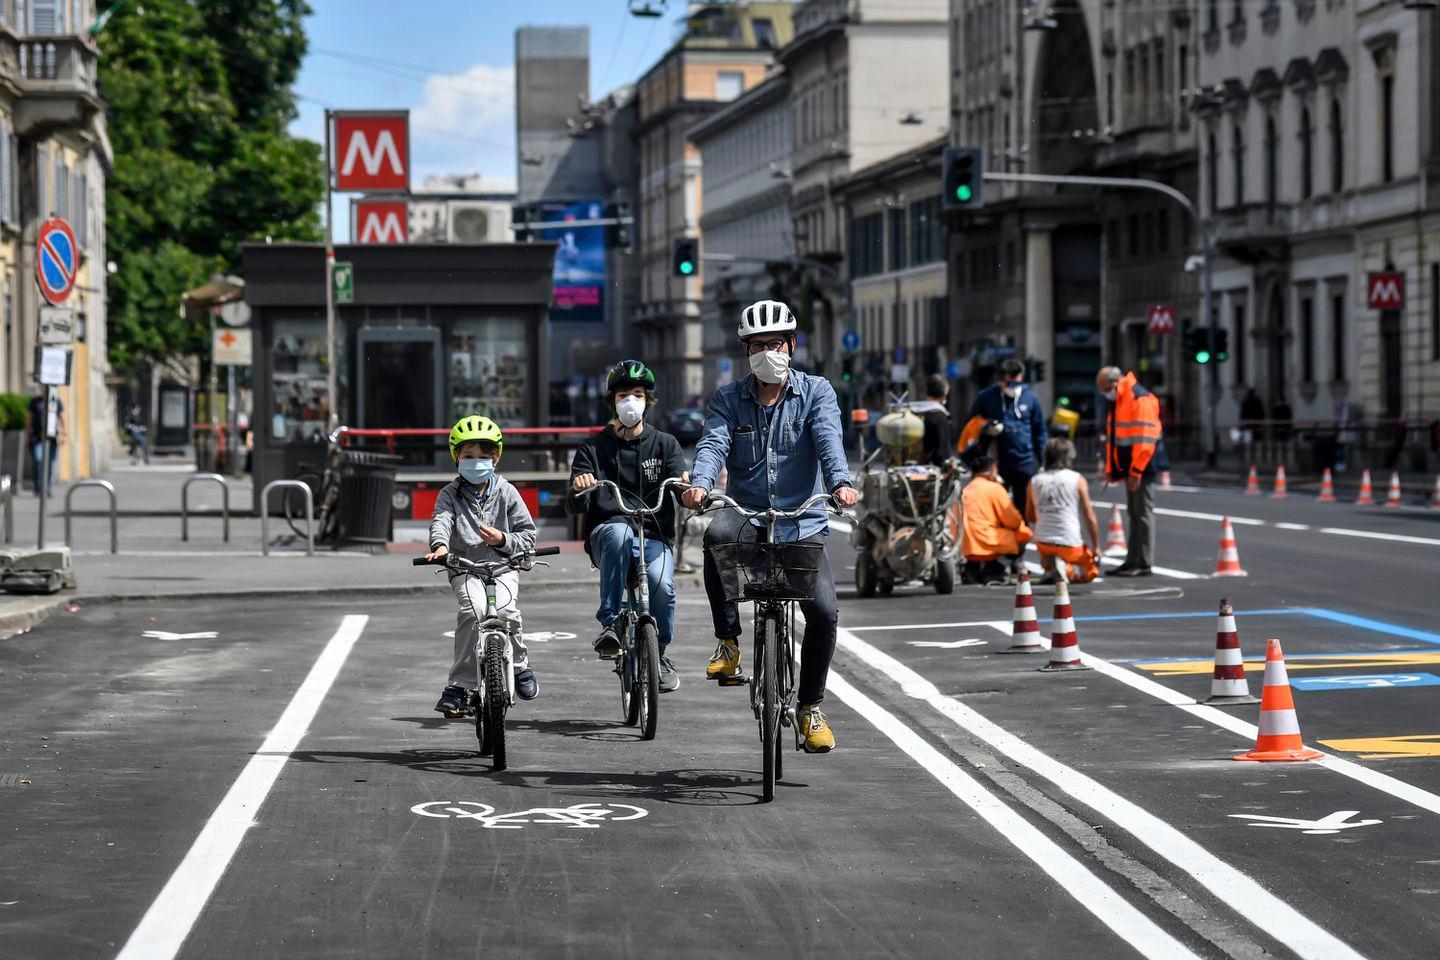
(768, 663)
(495, 692)
(629, 673)
(647, 679)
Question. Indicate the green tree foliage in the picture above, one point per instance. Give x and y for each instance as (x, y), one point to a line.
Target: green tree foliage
(199, 98)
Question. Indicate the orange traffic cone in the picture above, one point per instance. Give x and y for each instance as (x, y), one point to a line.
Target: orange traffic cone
(1228, 565)
(1282, 490)
(1252, 483)
(1064, 644)
(1115, 536)
(1025, 633)
(1165, 480)
(1367, 496)
(1327, 488)
(1435, 497)
(1279, 737)
(1228, 686)
(1392, 496)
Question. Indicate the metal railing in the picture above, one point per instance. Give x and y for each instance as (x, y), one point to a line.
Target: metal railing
(7, 503)
(114, 510)
(265, 514)
(185, 503)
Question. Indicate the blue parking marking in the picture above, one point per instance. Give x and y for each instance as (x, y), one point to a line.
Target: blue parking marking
(1367, 681)
(1320, 613)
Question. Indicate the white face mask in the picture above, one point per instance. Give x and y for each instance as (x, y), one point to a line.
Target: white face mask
(630, 410)
(770, 366)
(1109, 394)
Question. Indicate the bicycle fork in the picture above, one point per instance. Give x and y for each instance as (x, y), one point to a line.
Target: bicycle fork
(484, 630)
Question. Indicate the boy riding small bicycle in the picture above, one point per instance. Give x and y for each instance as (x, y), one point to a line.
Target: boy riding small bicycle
(638, 458)
(480, 516)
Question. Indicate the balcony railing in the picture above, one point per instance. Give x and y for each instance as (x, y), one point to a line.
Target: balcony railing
(59, 61)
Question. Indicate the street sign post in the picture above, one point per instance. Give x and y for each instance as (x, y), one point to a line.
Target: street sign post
(57, 327)
(55, 261)
(344, 274)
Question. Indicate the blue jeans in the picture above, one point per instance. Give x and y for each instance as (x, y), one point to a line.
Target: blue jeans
(613, 545)
(37, 457)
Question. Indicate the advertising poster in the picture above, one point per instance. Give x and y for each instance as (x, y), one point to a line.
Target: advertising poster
(579, 261)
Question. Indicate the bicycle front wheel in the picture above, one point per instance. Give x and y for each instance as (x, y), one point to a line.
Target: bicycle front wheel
(647, 678)
(495, 694)
(771, 635)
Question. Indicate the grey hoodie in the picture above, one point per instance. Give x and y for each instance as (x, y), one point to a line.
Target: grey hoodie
(461, 507)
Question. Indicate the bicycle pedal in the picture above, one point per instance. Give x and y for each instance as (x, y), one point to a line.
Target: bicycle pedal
(738, 680)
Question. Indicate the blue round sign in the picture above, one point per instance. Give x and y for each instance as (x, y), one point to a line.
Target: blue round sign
(55, 257)
(851, 340)
(954, 370)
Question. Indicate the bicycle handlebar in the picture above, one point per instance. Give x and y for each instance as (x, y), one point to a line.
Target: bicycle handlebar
(520, 561)
(641, 510)
(773, 513)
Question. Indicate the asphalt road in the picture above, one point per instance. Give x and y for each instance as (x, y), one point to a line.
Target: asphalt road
(281, 788)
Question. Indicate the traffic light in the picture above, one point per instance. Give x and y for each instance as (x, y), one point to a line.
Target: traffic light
(1221, 345)
(617, 235)
(687, 256)
(847, 369)
(1197, 344)
(963, 179)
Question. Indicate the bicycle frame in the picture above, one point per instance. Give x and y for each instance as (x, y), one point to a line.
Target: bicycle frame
(492, 625)
(637, 598)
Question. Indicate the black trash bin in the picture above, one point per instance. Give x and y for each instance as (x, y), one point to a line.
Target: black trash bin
(367, 483)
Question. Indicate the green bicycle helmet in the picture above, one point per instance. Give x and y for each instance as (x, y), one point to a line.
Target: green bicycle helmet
(629, 373)
(475, 428)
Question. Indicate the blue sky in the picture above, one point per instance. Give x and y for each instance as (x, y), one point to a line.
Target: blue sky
(451, 62)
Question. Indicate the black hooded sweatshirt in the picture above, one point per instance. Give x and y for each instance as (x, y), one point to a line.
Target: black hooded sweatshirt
(636, 466)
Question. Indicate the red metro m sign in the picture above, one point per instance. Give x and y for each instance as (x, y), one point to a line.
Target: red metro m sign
(372, 151)
(1385, 291)
(380, 222)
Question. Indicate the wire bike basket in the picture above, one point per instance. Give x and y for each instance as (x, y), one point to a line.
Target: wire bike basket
(755, 570)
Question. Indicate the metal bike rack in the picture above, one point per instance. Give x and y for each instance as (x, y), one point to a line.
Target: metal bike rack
(185, 503)
(7, 503)
(114, 510)
(265, 514)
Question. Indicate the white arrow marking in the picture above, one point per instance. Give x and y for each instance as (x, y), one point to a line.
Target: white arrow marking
(1334, 823)
(947, 644)
(167, 635)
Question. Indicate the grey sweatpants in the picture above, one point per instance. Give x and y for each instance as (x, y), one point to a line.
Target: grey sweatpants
(470, 595)
(1140, 504)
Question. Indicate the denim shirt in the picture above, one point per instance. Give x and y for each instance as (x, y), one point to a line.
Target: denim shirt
(781, 465)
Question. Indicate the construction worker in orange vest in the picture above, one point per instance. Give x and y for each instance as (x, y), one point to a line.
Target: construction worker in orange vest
(1134, 454)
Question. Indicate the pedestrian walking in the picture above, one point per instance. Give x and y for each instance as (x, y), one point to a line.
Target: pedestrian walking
(1134, 454)
(136, 428)
(40, 426)
(1012, 404)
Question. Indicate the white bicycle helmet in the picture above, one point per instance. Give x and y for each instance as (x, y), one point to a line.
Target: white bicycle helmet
(766, 316)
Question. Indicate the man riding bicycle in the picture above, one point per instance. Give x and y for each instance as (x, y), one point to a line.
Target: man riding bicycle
(637, 458)
(778, 432)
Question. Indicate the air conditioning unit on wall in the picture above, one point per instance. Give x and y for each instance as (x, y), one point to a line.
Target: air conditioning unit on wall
(477, 221)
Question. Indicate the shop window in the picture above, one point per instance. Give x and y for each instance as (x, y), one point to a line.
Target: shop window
(488, 360)
(298, 372)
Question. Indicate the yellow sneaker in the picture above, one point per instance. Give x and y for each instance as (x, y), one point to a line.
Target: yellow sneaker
(725, 661)
(815, 730)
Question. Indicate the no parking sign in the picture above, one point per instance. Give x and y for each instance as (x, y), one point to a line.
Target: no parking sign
(55, 261)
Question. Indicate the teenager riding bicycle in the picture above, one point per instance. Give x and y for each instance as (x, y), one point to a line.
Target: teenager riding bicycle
(480, 516)
(778, 432)
(637, 458)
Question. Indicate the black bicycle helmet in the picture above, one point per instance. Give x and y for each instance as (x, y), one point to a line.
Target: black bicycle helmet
(629, 373)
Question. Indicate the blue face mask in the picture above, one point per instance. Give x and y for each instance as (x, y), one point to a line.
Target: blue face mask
(477, 470)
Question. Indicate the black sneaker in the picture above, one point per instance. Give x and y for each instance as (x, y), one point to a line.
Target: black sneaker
(452, 702)
(527, 685)
(607, 645)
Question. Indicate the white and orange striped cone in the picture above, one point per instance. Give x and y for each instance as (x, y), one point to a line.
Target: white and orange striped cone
(1064, 644)
(1435, 497)
(1165, 481)
(1025, 631)
(1115, 536)
(1367, 495)
(1279, 736)
(1327, 488)
(1392, 496)
(1228, 564)
(1228, 686)
(1282, 489)
(1252, 483)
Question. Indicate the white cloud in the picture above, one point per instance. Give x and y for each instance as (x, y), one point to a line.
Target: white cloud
(478, 103)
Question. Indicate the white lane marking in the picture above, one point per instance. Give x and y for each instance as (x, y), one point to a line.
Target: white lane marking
(167, 635)
(947, 644)
(1374, 535)
(1073, 877)
(1162, 571)
(1292, 526)
(1248, 898)
(927, 626)
(1332, 823)
(1216, 517)
(1385, 783)
(1173, 488)
(163, 929)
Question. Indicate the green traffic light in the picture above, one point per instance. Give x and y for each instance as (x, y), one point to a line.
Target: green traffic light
(1221, 357)
(1202, 356)
(847, 377)
(686, 267)
(963, 193)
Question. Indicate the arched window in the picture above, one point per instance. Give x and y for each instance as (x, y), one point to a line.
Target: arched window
(1237, 157)
(1272, 162)
(1212, 172)
(1307, 149)
(1337, 148)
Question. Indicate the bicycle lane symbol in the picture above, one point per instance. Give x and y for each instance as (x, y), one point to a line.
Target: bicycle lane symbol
(581, 816)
